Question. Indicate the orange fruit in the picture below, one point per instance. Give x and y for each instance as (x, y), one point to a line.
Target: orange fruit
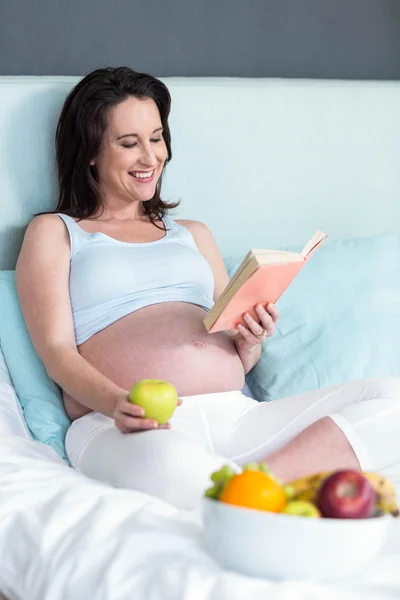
(253, 489)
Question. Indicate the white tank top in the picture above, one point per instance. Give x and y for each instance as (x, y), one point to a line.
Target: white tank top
(110, 279)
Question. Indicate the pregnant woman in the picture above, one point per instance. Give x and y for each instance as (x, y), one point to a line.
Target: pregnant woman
(113, 290)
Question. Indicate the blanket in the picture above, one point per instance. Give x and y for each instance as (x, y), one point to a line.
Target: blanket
(65, 536)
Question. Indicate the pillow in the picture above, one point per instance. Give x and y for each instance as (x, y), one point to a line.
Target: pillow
(12, 422)
(339, 320)
(39, 396)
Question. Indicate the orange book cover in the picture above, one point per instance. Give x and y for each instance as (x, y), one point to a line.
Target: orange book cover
(266, 284)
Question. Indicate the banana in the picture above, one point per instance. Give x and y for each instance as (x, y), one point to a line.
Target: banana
(385, 493)
(306, 489)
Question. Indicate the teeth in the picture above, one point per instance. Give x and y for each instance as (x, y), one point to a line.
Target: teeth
(143, 175)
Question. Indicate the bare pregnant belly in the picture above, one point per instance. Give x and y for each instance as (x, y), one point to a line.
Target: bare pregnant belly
(164, 341)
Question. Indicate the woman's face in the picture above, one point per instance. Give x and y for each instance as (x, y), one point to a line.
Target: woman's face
(133, 152)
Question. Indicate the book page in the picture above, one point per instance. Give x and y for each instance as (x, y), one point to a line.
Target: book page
(277, 258)
(263, 251)
(316, 240)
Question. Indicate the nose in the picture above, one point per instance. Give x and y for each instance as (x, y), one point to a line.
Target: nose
(148, 156)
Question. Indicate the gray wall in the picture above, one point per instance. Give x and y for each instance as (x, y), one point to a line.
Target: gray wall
(355, 39)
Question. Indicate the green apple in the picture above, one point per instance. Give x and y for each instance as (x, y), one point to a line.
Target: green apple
(301, 508)
(158, 398)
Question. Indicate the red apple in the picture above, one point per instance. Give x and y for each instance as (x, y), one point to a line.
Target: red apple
(346, 494)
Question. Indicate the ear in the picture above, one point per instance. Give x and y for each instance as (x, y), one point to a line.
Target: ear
(92, 163)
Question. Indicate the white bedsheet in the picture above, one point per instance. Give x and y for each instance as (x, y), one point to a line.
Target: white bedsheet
(5, 376)
(63, 536)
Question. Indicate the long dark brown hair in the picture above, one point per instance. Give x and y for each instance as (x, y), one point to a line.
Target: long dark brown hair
(80, 131)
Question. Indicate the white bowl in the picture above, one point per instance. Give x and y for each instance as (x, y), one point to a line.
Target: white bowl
(279, 546)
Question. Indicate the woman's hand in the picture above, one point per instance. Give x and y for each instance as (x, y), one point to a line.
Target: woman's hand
(129, 418)
(249, 337)
(255, 332)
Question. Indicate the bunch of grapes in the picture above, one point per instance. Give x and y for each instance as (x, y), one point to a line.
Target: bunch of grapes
(222, 477)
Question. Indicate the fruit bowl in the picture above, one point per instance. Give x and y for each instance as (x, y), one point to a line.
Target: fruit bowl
(281, 546)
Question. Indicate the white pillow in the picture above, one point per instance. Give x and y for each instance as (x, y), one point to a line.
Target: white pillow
(12, 422)
(4, 372)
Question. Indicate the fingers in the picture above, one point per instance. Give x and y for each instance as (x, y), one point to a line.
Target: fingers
(139, 425)
(250, 337)
(133, 410)
(129, 418)
(258, 331)
(262, 329)
(266, 320)
(273, 311)
(126, 422)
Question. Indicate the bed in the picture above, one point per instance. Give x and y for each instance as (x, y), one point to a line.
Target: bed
(323, 155)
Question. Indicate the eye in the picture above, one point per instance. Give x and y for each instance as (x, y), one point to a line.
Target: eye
(153, 141)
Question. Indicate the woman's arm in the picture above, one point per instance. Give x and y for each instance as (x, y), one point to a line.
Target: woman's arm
(247, 344)
(247, 340)
(43, 289)
(248, 355)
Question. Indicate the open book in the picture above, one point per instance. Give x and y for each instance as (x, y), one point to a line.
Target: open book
(262, 277)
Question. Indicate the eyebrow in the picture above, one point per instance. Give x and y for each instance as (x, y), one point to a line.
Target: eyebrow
(135, 134)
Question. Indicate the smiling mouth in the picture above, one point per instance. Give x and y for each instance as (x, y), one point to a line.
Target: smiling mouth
(142, 176)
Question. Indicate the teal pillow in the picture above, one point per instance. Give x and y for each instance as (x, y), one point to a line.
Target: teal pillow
(40, 397)
(339, 320)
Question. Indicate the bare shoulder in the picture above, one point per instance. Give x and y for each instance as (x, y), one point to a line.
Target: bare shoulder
(46, 230)
(44, 234)
(48, 222)
(196, 228)
(202, 236)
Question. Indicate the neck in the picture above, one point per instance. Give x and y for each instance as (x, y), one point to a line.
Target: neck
(120, 210)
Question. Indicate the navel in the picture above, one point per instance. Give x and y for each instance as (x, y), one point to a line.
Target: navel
(198, 344)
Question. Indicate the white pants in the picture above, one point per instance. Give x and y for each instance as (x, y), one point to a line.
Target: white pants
(230, 428)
